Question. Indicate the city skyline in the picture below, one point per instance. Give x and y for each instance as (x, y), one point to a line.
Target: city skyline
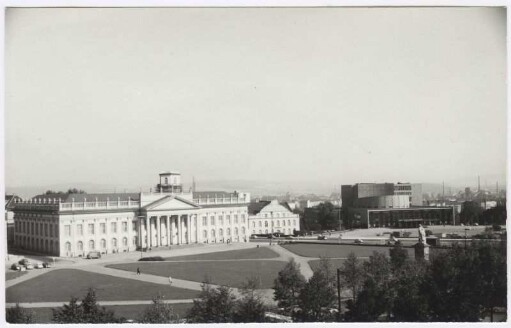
(327, 95)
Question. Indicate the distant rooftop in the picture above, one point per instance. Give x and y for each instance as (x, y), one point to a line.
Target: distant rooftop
(67, 198)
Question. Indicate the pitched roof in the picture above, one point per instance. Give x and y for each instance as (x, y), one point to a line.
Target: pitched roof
(65, 198)
(254, 208)
(9, 201)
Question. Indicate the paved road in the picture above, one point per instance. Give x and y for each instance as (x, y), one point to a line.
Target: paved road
(102, 303)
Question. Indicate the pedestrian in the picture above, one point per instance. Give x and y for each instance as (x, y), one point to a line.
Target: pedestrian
(170, 280)
(138, 271)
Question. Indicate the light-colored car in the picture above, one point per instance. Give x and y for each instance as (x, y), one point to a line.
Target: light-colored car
(38, 266)
(29, 267)
(359, 241)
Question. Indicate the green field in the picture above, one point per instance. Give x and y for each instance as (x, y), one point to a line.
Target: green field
(61, 285)
(44, 315)
(250, 253)
(9, 275)
(337, 251)
(228, 273)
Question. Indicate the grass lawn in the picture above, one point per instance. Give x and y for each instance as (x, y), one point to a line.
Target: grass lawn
(336, 263)
(9, 275)
(61, 285)
(44, 315)
(229, 273)
(317, 250)
(250, 253)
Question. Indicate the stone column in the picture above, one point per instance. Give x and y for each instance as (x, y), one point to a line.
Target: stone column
(148, 231)
(171, 220)
(167, 228)
(196, 220)
(179, 230)
(189, 228)
(158, 231)
(140, 241)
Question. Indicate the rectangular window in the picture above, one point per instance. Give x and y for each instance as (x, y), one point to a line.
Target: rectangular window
(212, 220)
(67, 230)
(235, 218)
(51, 230)
(228, 219)
(79, 229)
(220, 220)
(204, 220)
(46, 230)
(56, 230)
(91, 228)
(125, 226)
(114, 227)
(102, 227)
(134, 225)
(242, 218)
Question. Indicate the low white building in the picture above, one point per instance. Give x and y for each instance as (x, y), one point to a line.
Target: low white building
(271, 217)
(71, 225)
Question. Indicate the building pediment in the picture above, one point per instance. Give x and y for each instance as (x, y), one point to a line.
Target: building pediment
(170, 203)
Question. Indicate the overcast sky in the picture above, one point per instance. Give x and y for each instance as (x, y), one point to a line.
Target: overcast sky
(330, 95)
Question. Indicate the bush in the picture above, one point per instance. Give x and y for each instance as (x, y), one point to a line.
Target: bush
(429, 232)
(152, 258)
(496, 227)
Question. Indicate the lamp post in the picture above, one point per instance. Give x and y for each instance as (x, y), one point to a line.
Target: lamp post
(466, 229)
(339, 293)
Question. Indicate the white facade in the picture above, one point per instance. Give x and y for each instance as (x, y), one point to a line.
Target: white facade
(116, 223)
(272, 217)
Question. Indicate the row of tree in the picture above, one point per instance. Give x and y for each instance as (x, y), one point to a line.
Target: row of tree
(458, 284)
(472, 212)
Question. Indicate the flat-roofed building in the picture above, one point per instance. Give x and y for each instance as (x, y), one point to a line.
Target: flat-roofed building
(74, 224)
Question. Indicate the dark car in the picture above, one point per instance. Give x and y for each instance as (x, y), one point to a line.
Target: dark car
(24, 262)
(321, 237)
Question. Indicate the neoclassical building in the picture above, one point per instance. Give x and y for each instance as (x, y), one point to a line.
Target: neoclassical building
(271, 217)
(70, 225)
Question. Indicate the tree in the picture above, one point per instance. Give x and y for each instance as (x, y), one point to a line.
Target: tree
(410, 302)
(86, 312)
(159, 312)
(470, 212)
(18, 314)
(375, 297)
(398, 257)
(214, 305)
(288, 285)
(317, 299)
(250, 307)
(352, 274)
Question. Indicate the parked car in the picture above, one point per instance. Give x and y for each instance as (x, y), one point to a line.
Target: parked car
(15, 266)
(94, 255)
(29, 267)
(38, 266)
(23, 262)
(46, 265)
(321, 237)
(359, 241)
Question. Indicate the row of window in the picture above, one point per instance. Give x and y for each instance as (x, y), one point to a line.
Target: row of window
(221, 232)
(221, 219)
(272, 223)
(274, 215)
(102, 228)
(47, 246)
(102, 244)
(289, 231)
(36, 228)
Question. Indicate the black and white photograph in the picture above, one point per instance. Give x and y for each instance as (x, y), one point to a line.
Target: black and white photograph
(245, 163)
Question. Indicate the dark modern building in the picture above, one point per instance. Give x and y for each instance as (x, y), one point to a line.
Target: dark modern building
(367, 205)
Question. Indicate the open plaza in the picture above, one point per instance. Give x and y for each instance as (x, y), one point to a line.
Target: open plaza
(119, 287)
